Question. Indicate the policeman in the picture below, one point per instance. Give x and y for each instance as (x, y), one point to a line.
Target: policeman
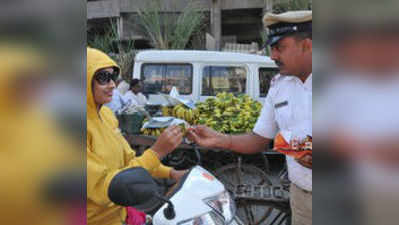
(287, 109)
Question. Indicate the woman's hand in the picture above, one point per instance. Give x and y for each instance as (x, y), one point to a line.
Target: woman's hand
(168, 141)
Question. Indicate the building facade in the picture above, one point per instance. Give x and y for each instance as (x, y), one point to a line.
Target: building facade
(233, 25)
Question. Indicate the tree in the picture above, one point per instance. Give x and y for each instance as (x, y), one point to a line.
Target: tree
(121, 51)
(281, 6)
(170, 30)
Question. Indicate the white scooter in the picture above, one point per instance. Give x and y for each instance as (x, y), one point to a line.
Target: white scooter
(197, 199)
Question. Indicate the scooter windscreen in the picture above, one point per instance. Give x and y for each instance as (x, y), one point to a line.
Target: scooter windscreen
(176, 187)
(201, 199)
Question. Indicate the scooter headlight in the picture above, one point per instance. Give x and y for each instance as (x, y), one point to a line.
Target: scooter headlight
(223, 211)
(223, 204)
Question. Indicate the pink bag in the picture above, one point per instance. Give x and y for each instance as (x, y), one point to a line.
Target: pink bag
(77, 215)
(135, 217)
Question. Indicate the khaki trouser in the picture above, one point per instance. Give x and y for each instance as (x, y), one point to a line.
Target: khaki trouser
(301, 206)
(379, 208)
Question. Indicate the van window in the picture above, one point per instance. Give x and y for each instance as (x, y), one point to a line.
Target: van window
(217, 79)
(162, 77)
(265, 76)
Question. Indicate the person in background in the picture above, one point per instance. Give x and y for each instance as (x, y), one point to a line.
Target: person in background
(123, 86)
(110, 158)
(119, 101)
(134, 94)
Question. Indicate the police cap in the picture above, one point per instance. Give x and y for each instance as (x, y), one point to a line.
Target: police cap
(285, 24)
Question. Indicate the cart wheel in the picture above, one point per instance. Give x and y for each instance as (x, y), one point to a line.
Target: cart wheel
(232, 175)
(279, 218)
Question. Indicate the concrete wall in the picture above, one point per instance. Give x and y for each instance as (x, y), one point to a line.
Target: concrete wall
(113, 8)
(242, 4)
(103, 9)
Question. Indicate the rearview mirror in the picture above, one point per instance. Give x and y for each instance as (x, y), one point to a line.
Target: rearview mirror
(133, 187)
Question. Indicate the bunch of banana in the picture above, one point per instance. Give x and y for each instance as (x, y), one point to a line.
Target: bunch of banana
(167, 110)
(152, 131)
(229, 114)
(182, 112)
(158, 131)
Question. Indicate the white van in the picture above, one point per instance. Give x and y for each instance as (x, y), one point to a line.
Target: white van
(201, 74)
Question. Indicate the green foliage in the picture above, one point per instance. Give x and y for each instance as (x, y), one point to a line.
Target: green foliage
(121, 51)
(263, 35)
(105, 42)
(169, 30)
(109, 42)
(280, 6)
(125, 61)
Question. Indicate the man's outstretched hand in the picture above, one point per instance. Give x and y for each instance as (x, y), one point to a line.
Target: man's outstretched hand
(205, 136)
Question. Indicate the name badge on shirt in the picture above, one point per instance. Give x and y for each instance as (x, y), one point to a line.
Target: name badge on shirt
(281, 104)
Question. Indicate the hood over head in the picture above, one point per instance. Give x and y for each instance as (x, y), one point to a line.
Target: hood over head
(18, 61)
(96, 60)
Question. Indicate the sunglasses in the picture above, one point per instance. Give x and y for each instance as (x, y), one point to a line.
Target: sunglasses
(104, 77)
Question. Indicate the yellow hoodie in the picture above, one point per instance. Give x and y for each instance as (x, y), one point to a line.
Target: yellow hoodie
(108, 153)
(32, 150)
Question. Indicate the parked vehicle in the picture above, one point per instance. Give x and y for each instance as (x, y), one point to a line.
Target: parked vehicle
(202, 74)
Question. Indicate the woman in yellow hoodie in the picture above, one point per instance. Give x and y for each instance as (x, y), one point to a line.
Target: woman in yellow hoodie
(108, 153)
(34, 150)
